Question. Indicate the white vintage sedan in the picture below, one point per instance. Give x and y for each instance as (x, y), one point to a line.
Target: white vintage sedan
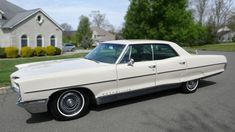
(113, 71)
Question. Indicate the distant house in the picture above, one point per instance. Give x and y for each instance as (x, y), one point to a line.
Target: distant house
(225, 34)
(100, 35)
(20, 27)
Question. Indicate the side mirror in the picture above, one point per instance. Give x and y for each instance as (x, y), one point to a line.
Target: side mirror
(131, 62)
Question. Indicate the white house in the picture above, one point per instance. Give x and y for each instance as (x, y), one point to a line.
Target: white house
(100, 35)
(20, 27)
(225, 34)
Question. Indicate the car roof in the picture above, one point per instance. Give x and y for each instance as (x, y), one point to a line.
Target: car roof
(127, 42)
(178, 49)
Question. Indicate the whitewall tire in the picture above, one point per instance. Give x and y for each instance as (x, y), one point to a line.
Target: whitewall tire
(70, 104)
(190, 86)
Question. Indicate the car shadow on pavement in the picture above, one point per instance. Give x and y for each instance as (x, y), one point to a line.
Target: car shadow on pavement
(202, 84)
(40, 117)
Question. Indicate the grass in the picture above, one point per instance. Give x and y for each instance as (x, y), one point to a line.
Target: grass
(227, 47)
(7, 66)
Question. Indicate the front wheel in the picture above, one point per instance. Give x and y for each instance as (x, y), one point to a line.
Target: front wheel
(69, 104)
(190, 86)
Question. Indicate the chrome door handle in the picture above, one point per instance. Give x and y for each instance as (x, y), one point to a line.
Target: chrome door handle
(153, 66)
(182, 63)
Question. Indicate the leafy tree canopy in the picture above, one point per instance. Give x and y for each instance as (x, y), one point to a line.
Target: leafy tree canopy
(161, 19)
(84, 33)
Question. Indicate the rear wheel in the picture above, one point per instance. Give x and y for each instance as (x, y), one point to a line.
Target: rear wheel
(190, 86)
(69, 104)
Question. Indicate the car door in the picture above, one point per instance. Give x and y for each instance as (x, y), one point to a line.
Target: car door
(169, 65)
(138, 73)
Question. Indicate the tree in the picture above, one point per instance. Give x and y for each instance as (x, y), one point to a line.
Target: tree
(231, 21)
(99, 20)
(214, 14)
(200, 7)
(66, 26)
(221, 11)
(160, 19)
(84, 33)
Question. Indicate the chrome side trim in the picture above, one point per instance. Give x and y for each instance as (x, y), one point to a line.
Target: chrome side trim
(191, 68)
(135, 93)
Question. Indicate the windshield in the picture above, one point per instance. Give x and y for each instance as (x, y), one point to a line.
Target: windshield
(106, 53)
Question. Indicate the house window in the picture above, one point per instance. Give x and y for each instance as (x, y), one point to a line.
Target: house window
(39, 40)
(53, 40)
(39, 19)
(24, 41)
(1, 14)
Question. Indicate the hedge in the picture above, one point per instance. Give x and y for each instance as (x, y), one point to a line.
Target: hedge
(2, 53)
(27, 52)
(11, 52)
(39, 51)
(58, 51)
(50, 50)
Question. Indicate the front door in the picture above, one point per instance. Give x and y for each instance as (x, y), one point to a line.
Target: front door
(138, 73)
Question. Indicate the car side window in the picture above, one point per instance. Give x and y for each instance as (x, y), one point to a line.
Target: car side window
(140, 52)
(163, 51)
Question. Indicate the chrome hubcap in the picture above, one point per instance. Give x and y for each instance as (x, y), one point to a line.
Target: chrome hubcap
(192, 85)
(70, 103)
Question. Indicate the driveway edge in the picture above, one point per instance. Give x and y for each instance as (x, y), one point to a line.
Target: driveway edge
(4, 90)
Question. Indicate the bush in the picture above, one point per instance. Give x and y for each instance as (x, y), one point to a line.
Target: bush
(2, 53)
(233, 39)
(58, 51)
(27, 52)
(11, 52)
(50, 50)
(39, 51)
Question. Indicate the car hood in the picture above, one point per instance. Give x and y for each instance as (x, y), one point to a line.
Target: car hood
(55, 66)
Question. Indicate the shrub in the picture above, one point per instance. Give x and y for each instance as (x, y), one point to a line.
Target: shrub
(39, 51)
(2, 53)
(50, 50)
(58, 51)
(11, 52)
(27, 52)
(233, 39)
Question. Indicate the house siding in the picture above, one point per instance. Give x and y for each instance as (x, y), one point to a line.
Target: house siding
(32, 28)
(5, 38)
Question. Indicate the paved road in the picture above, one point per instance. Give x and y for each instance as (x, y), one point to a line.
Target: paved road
(211, 108)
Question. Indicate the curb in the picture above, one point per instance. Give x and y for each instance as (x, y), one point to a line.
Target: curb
(4, 90)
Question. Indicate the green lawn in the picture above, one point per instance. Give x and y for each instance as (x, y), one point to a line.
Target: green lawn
(228, 47)
(8, 66)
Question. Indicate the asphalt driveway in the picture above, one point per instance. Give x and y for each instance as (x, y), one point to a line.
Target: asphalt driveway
(211, 108)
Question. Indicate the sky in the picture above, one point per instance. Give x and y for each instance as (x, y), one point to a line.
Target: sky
(69, 11)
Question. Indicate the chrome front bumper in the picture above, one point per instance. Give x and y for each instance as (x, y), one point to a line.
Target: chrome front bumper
(36, 106)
